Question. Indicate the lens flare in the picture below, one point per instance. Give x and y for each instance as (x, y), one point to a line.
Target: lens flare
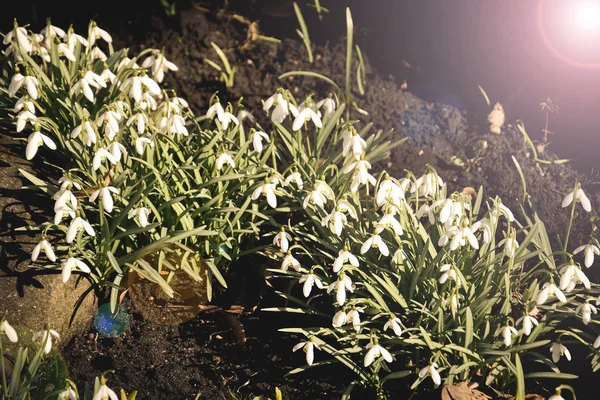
(587, 15)
(109, 324)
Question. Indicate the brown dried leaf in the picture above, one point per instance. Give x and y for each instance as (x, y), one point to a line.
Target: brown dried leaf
(462, 391)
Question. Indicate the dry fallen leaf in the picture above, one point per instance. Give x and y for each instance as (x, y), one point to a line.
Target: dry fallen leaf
(462, 391)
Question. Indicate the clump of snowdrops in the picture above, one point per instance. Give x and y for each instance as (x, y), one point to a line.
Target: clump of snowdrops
(24, 368)
(407, 281)
(139, 180)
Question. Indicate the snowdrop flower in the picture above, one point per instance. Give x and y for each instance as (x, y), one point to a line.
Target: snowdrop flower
(461, 237)
(107, 75)
(158, 64)
(23, 39)
(308, 347)
(319, 195)
(45, 338)
(550, 289)
(431, 370)
(559, 350)
(282, 107)
(360, 174)
(117, 150)
(43, 245)
(290, 261)
(69, 264)
(111, 118)
(61, 213)
(141, 213)
(399, 257)
(256, 138)
(72, 39)
(454, 301)
(89, 134)
(528, 323)
(344, 206)
(296, 178)
(105, 393)
(24, 103)
(31, 84)
(222, 115)
(243, 114)
(501, 209)
(9, 331)
(597, 342)
(224, 158)
(388, 190)
(64, 50)
(78, 224)
(486, 227)
(375, 241)
(394, 323)
(105, 195)
(388, 221)
(556, 396)
(282, 240)
(67, 394)
(449, 272)
(427, 184)
(339, 319)
(589, 250)
(335, 221)
(344, 257)
(98, 54)
(352, 142)
(175, 124)
(268, 190)
(141, 143)
(305, 114)
(353, 317)
(135, 85)
(586, 312)
(577, 195)
(63, 197)
(146, 101)
(571, 275)
(375, 351)
(340, 286)
(507, 332)
(328, 104)
(309, 281)
(425, 209)
(66, 180)
(23, 118)
(510, 246)
(101, 155)
(84, 85)
(96, 33)
(35, 140)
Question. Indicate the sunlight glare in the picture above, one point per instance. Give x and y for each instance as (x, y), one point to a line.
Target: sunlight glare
(588, 14)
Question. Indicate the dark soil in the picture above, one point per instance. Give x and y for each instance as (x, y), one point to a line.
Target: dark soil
(201, 358)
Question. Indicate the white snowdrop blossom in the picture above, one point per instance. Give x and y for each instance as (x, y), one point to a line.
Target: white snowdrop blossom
(485, 225)
(98, 54)
(353, 317)
(510, 246)
(109, 118)
(335, 221)
(339, 319)
(141, 213)
(105, 195)
(89, 134)
(65, 181)
(319, 195)
(449, 273)
(72, 39)
(23, 39)
(389, 222)
(174, 124)
(432, 371)
(290, 261)
(460, 237)
(304, 115)
(528, 322)
(96, 33)
(25, 117)
(282, 107)
(360, 174)
(571, 275)
(427, 184)
(101, 155)
(135, 85)
(586, 310)
(309, 348)
(256, 138)
(107, 75)
(597, 342)
(61, 213)
(34, 141)
(507, 333)
(224, 158)
(79, 224)
(282, 240)
(377, 242)
(24, 103)
(353, 143)
(224, 116)
(389, 190)
(63, 197)
(105, 393)
(376, 351)
(558, 350)
(158, 65)
(84, 85)
(577, 195)
(589, 251)
(45, 338)
(501, 209)
(67, 394)
(29, 82)
(340, 286)
(268, 190)
(550, 289)
(328, 104)
(141, 143)
(446, 210)
(9, 331)
(425, 209)
(309, 281)
(399, 256)
(394, 323)
(344, 257)
(117, 150)
(46, 247)
(69, 264)
(296, 178)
